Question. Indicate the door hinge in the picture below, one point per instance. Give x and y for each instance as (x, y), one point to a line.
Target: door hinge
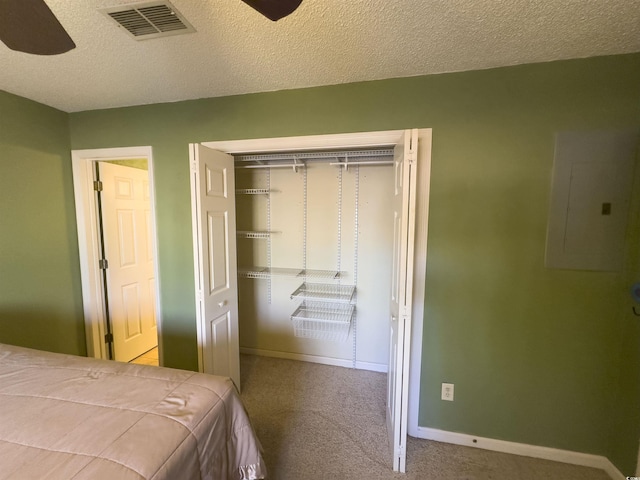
(97, 186)
(108, 338)
(103, 263)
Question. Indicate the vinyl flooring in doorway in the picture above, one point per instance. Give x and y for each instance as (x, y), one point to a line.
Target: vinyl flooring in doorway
(147, 358)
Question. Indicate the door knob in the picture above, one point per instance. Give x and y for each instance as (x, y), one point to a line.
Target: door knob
(222, 304)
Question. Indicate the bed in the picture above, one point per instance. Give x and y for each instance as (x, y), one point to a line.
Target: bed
(68, 417)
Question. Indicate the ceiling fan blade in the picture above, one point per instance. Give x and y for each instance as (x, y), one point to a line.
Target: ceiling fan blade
(274, 9)
(30, 26)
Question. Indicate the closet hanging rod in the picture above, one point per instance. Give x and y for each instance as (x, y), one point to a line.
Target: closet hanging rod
(320, 155)
(295, 166)
(347, 163)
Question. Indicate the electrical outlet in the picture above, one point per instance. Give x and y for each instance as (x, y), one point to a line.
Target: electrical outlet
(447, 391)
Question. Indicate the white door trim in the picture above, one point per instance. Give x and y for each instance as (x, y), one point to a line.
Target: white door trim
(423, 183)
(88, 240)
(370, 139)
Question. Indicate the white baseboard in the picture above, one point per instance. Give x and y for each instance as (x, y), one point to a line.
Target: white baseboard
(535, 451)
(336, 362)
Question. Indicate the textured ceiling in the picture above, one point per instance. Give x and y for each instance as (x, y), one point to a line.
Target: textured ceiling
(235, 50)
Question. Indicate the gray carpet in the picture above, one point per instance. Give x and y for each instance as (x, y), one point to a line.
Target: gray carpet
(322, 422)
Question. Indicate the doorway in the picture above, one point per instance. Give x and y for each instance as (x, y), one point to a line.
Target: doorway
(99, 332)
(205, 174)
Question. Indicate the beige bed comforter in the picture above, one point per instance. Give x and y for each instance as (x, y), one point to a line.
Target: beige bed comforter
(67, 417)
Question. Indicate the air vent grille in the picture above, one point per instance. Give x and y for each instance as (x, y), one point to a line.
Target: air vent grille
(149, 19)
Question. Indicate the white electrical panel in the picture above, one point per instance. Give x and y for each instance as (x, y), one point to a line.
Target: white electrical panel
(591, 192)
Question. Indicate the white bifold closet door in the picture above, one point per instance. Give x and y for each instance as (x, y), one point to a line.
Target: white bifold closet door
(213, 178)
(404, 203)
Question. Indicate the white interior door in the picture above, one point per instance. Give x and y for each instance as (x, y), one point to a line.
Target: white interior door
(128, 243)
(215, 261)
(401, 292)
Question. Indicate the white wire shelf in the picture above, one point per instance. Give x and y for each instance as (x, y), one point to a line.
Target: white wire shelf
(325, 292)
(295, 160)
(323, 320)
(321, 274)
(252, 191)
(266, 158)
(254, 234)
(265, 272)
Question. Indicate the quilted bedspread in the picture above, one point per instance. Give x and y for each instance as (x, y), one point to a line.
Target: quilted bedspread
(67, 417)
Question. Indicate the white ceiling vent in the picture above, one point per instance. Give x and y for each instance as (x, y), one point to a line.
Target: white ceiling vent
(149, 19)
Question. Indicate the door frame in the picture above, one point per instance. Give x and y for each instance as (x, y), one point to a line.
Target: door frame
(364, 140)
(93, 294)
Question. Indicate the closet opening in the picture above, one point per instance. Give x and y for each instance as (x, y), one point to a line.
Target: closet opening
(314, 254)
(314, 249)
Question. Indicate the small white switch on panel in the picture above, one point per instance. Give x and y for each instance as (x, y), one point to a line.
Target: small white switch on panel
(447, 391)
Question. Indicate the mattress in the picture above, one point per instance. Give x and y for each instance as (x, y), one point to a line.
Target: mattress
(68, 417)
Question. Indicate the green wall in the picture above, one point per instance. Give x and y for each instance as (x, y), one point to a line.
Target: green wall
(546, 357)
(626, 403)
(40, 295)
